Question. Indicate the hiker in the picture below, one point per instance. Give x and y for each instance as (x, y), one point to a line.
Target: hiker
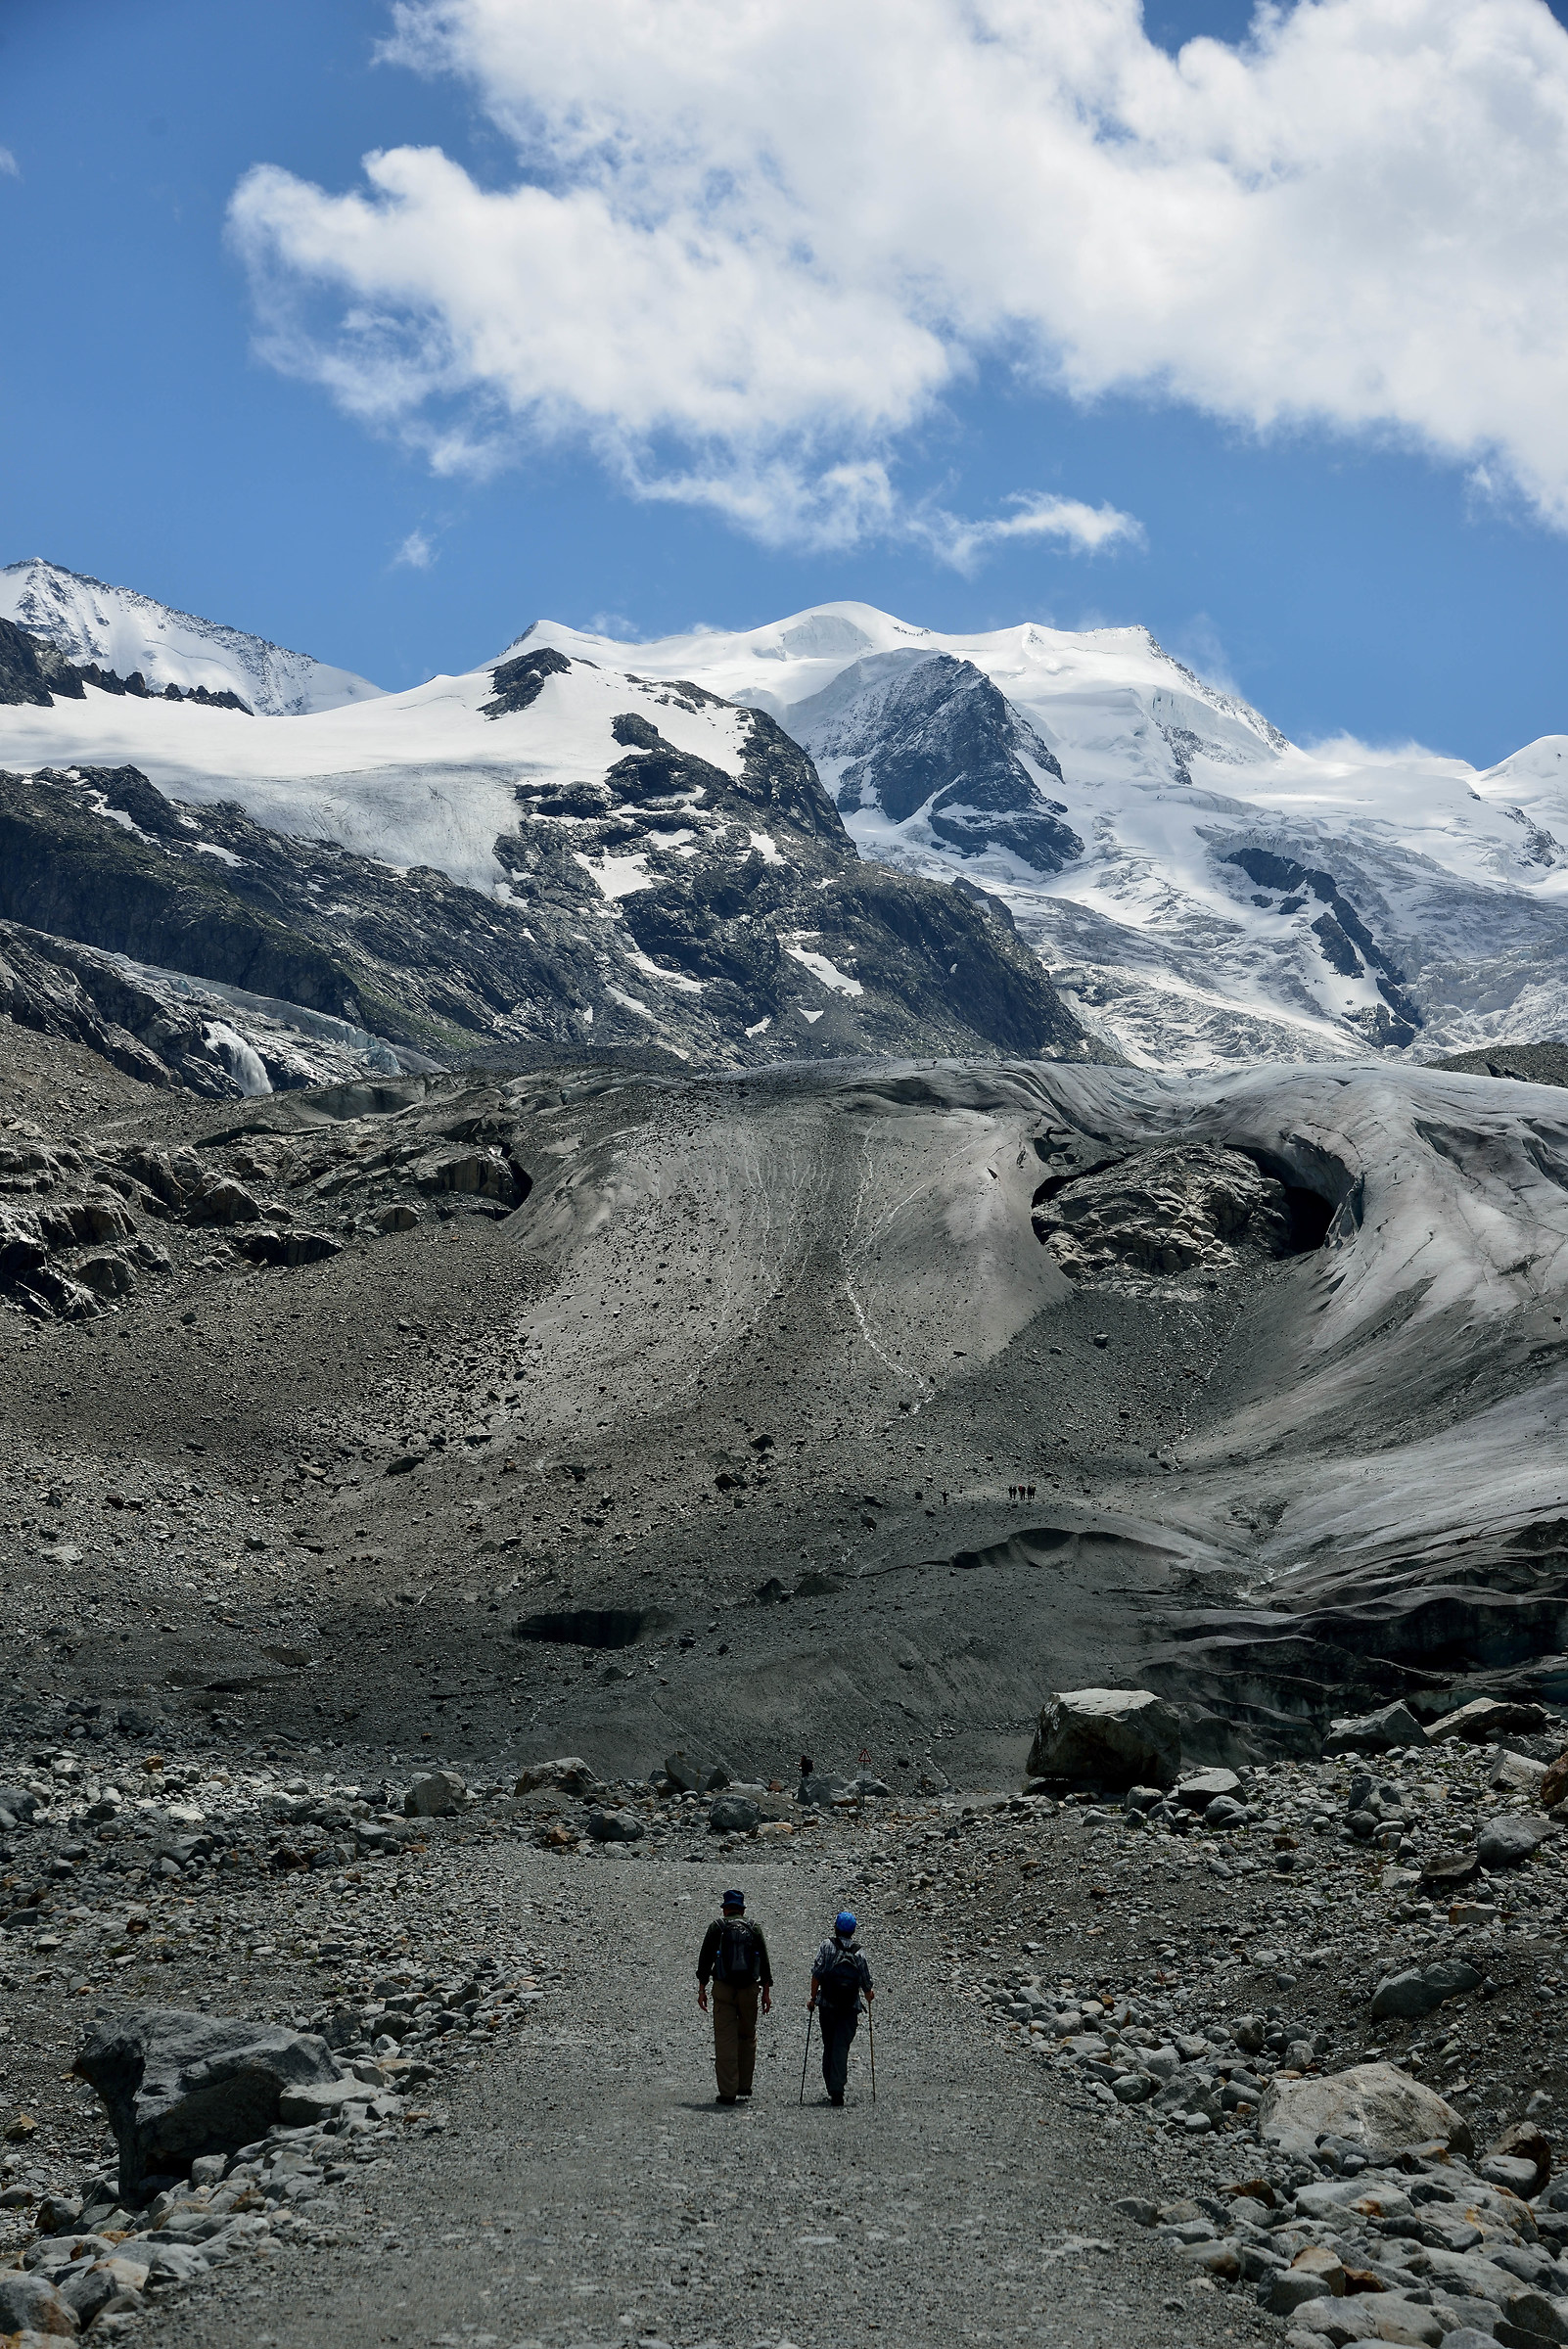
(838, 1978)
(734, 1956)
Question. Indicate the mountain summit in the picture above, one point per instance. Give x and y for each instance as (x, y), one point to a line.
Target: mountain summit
(130, 634)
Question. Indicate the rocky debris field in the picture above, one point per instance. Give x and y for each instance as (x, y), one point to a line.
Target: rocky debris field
(1247, 2013)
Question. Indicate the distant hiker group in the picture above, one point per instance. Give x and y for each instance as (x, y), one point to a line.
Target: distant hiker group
(734, 1958)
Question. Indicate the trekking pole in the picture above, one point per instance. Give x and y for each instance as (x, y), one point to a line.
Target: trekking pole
(871, 2025)
(806, 2057)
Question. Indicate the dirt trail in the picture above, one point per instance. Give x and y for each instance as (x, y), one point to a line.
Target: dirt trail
(589, 2189)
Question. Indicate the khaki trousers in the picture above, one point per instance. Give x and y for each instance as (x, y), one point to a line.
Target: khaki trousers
(735, 2036)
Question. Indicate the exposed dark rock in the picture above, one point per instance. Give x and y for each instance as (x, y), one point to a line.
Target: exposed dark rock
(519, 682)
(1168, 1211)
(32, 671)
(946, 740)
(1346, 940)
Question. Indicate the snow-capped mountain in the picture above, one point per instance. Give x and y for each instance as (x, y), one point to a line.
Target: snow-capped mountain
(1199, 889)
(129, 634)
(546, 851)
(1202, 889)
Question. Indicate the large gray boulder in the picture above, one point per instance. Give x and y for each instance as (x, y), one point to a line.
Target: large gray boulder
(1107, 1737)
(615, 1826)
(1488, 1717)
(1423, 1988)
(176, 2085)
(1377, 1732)
(1372, 2106)
(433, 1794)
(734, 1815)
(568, 1773)
(1505, 1842)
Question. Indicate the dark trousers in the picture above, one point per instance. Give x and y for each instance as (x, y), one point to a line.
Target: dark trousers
(735, 2036)
(838, 2031)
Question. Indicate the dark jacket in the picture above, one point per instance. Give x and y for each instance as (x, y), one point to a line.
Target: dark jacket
(709, 1951)
(836, 1949)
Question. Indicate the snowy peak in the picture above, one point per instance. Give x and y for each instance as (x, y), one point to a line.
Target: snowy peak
(117, 629)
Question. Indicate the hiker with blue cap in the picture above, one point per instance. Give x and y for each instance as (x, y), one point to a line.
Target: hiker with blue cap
(734, 1958)
(839, 1977)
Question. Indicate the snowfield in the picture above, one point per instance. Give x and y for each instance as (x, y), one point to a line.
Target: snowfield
(1201, 890)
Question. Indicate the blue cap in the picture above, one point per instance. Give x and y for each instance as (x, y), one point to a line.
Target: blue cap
(845, 1924)
(733, 1900)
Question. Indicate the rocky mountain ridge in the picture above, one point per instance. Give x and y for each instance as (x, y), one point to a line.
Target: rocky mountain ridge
(695, 896)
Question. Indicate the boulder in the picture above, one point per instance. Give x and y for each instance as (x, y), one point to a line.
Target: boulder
(694, 1775)
(1109, 1736)
(433, 1794)
(29, 2305)
(223, 1201)
(1516, 1836)
(733, 1815)
(1377, 1732)
(1449, 1872)
(1517, 1774)
(1554, 1784)
(1533, 2316)
(569, 1774)
(1422, 1989)
(318, 2099)
(1488, 1717)
(615, 1826)
(1224, 1812)
(177, 2085)
(287, 1247)
(1372, 2106)
(819, 1792)
(1203, 1787)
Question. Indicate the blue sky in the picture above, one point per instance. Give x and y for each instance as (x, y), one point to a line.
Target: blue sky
(184, 410)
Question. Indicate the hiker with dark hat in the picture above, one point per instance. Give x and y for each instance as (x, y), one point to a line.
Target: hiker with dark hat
(734, 1957)
(839, 1976)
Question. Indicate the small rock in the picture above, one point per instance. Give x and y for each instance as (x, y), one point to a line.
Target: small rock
(1523, 2140)
(1200, 1789)
(568, 1773)
(1488, 1717)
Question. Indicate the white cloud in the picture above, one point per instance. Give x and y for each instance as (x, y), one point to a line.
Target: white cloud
(750, 247)
(417, 552)
(1085, 528)
(10, 168)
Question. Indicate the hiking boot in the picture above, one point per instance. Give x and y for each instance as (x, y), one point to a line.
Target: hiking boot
(836, 2099)
(743, 2096)
(724, 2099)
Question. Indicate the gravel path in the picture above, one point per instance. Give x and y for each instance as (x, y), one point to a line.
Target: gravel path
(589, 2189)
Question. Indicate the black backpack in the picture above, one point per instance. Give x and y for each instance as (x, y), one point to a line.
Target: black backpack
(737, 1959)
(839, 1988)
